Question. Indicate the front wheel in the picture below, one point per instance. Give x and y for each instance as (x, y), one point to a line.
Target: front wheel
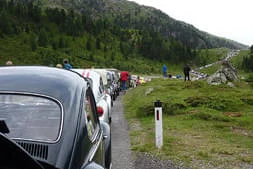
(114, 96)
(107, 144)
(108, 160)
(112, 103)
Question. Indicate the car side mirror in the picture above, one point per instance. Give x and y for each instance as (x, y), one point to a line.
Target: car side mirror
(93, 165)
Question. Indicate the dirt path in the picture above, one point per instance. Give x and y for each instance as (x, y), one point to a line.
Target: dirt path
(121, 153)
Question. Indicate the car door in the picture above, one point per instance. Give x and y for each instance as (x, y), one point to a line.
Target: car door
(107, 98)
(94, 130)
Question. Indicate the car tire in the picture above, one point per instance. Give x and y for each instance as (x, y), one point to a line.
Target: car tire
(107, 145)
(111, 102)
(110, 120)
(108, 153)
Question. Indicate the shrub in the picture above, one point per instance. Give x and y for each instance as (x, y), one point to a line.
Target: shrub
(194, 85)
(249, 78)
(215, 102)
(173, 109)
(145, 111)
(210, 117)
(248, 100)
(197, 101)
(167, 108)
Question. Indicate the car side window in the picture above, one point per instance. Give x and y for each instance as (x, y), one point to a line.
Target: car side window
(101, 86)
(108, 76)
(90, 110)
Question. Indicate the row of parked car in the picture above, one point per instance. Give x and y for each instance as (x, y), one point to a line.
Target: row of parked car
(105, 84)
(56, 118)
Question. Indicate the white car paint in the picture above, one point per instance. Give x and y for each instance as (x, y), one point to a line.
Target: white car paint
(106, 76)
(102, 99)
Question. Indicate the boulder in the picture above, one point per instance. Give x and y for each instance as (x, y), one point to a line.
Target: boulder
(227, 73)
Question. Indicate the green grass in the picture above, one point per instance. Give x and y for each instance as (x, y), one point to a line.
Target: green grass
(199, 126)
(210, 70)
(212, 55)
(237, 60)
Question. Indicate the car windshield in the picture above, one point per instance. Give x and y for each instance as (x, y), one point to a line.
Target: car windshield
(31, 117)
(93, 88)
(90, 82)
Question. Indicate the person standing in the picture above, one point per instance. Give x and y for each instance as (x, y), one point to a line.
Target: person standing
(164, 71)
(187, 70)
(67, 65)
(124, 77)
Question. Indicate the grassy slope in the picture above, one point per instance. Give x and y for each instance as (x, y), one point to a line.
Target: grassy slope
(196, 130)
(18, 49)
(237, 62)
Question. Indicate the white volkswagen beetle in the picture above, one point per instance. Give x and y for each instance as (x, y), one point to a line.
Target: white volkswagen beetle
(103, 100)
(107, 80)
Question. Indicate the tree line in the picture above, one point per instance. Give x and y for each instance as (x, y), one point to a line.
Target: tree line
(247, 63)
(58, 28)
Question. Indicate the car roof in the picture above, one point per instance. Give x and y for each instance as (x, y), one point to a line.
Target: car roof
(103, 73)
(38, 79)
(62, 85)
(94, 76)
(116, 72)
(88, 73)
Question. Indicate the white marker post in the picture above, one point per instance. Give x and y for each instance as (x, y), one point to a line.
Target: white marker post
(158, 124)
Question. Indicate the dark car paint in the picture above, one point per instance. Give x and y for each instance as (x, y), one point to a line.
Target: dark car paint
(16, 155)
(70, 151)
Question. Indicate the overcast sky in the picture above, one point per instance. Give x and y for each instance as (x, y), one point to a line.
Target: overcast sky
(232, 19)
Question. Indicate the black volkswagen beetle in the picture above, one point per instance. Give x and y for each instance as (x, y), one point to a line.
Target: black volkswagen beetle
(48, 120)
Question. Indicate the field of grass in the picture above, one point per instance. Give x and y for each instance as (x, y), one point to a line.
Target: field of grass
(203, 126)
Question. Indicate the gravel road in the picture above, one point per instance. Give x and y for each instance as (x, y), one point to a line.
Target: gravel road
(122, 157)
(121, 153)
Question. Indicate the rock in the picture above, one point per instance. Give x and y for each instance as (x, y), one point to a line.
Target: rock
(148, 91)
(227, 73)
(230, 84)
(217, 78)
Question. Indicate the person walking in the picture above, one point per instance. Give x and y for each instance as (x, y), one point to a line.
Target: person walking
(187, 70)
(67, 65)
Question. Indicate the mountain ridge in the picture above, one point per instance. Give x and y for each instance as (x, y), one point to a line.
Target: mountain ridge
(131, 15)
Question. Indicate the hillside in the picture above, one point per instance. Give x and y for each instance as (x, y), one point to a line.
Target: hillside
(130, 15)
(101, 33)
